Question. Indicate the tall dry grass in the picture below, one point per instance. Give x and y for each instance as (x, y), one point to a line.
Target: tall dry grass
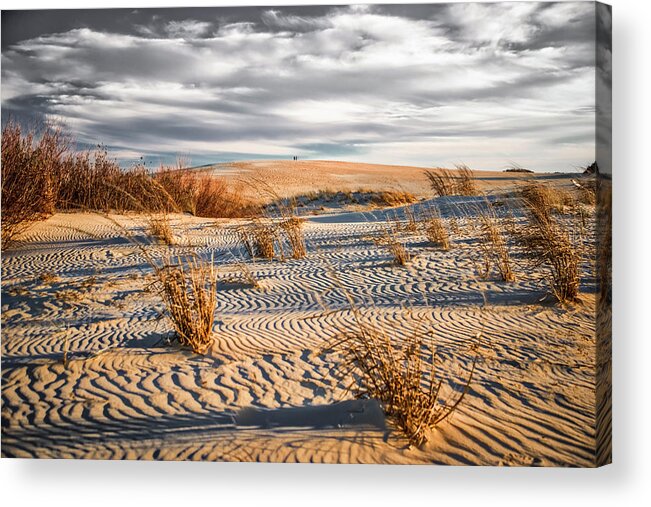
(446, 182)
(293, 229)
(546, 199)
(260, 239)
(42, 173)
(435, 230)
(202, 194)
(493, 245)
(400, 374)
(188, 288)
(549, 243)
(30, 168)
(160, 228)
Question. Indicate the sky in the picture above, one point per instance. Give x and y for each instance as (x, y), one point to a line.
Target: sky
(488, 85)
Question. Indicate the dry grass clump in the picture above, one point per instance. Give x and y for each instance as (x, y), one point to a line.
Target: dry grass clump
(401, 375)
(393, 198)
(549, 243)
(398, 251)
(494, 248)
(435, 230)
(446, 182)
(161, 229)
(412, 223)
(259, 239)
(293, 229)
(389, 239)
(201, 194)
(547, 199)
(188, 289)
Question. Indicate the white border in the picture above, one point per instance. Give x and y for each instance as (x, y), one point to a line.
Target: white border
(626, 482)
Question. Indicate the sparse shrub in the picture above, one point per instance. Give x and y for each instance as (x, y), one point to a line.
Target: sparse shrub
(161, 229)
(493, 246)
(445, 182)
(549, 244)
(435, 229)
(393, 198)
(400, 374)
(188, 290)
(259, 239)
(293, 229)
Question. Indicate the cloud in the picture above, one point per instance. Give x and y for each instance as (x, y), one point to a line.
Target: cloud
(482, 83)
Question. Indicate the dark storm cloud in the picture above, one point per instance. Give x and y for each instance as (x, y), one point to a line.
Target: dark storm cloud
(417, 84)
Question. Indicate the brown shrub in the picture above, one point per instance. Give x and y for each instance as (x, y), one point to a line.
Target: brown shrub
(400, 374)
(188, 289)
(161, 228)
(393, 198)
(445, 182)
(435, 229)
(30, 167)
(293, 229)
(494, 248)
(549, 244)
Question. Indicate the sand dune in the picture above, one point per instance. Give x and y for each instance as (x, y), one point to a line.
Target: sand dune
(89, 370)
(291, 178)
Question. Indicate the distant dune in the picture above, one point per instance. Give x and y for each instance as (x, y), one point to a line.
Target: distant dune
(291, 178)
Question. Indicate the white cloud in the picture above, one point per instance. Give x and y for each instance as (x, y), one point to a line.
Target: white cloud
(482, 83)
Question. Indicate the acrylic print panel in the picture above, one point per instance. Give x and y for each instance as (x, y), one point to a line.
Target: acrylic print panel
(343, 234)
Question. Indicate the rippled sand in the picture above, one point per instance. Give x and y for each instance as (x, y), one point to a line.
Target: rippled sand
(77, 289)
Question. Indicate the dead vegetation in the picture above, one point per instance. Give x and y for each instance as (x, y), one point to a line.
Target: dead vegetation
(388, 238)
(30, 165)
(160, 228)
(293, 231)
(393, 198)
(549, 244)
(547, 199)
(260, 239)
(446, 182)
(187, 288)
(435, 230)
(42, 173)
(400, 374)
(493, 246)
